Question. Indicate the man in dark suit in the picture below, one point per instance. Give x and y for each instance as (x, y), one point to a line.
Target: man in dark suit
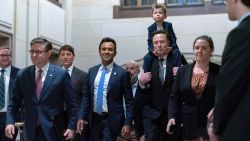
(78, 79)
(134, 69)
(43, 88)
(231, 112)
(9, 73)
(108, 84)
(161, 80)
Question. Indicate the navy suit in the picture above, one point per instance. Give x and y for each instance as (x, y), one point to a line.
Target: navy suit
(119, 86)
(167, 27)
(148, 58)
(13, 73)
(56, 91)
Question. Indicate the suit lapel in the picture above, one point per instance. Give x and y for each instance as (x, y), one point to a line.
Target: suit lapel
(74, 75)
(113, 75)
(155, 71)
(92, 75)
(32, 79)
(47, 81)
(169, 69)
(189, 81)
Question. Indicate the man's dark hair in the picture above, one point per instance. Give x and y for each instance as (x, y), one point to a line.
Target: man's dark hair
(161, 32)
(246, 2)
(41, 40)
(107, 39)
(68, 48)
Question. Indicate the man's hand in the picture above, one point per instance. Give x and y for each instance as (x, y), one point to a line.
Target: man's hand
(210, 115)
(145, 78)
(80, 127)
(10, 131)
(142, 138)
(125, 131)
(156, 53)
(175, 69)
(171, 122)
(69, 134)
(211, 134)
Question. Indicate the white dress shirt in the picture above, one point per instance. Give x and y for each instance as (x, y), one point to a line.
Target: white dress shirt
(70, 69)
(44, 73)
(6, 87)
(105, 86)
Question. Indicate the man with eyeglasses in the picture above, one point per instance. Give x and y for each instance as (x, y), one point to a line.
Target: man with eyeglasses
(7, 77)
(44, 88)
(231, 121)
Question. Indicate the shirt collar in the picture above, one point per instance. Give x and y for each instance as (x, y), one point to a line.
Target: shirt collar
(69, 68)
(44, 68)
(7, 69)
(244, 16)
(109, 67)
(164, 57)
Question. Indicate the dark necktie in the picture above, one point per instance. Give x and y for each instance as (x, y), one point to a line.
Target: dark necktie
(99, 98)
(2, 90)
(161, 70)
(39, 83)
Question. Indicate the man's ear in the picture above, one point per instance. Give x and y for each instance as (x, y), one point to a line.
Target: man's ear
(49, 53)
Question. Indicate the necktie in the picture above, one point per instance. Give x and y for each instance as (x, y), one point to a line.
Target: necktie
(161, 71)
(39, 83)
(99, 98)
(2, 90)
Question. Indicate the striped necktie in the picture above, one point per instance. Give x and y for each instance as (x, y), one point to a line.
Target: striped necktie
(2, 90)
(39, 83)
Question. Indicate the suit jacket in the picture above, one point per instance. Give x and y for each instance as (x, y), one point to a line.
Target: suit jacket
(79, 83)
(167, 26)
(158, 94)
(139, 101)
(231, 114)
(119, 86)
(183, 99)
(13, 73)
(56, 91)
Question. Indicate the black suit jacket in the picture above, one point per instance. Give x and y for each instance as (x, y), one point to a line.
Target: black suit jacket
(139, 101)
(158, 94)
(232, 112)
(184, 100)
(79, 83)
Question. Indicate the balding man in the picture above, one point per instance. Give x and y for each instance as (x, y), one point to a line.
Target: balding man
(134, 69)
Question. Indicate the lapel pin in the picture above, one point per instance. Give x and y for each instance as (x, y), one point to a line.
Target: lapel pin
(50, 75)
(114, 73)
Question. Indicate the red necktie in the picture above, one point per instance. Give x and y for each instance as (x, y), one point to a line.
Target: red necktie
(39, 83)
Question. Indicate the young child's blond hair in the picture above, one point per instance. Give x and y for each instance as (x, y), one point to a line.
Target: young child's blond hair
(158, 5)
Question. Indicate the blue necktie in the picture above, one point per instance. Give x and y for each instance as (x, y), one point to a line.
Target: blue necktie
(99, 98)
(2, 90)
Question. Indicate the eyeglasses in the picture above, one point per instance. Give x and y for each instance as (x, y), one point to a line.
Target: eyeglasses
(225, 1)
(4, 55)
(38, 52)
